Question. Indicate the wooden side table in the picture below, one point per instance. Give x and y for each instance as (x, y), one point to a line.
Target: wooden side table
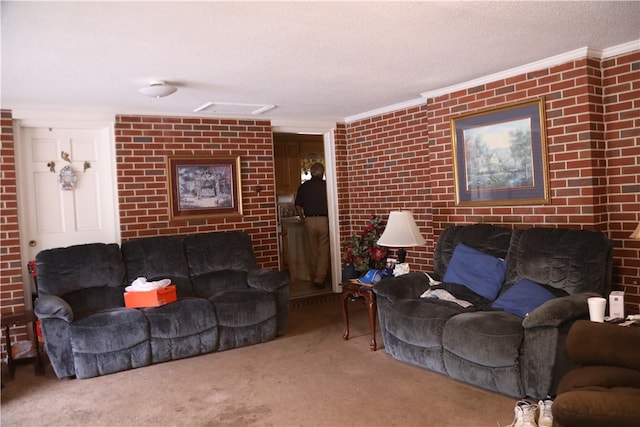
(33, 356)
(352, 291)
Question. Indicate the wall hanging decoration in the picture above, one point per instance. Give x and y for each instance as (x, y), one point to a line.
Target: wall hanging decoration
(500, 156)
(67, 178)
(204, 186)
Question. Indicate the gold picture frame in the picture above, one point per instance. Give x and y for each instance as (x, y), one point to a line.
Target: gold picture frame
(201, 187)
(500, 156)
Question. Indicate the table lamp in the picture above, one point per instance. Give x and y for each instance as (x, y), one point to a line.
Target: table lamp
(636, 233)
(401, 232)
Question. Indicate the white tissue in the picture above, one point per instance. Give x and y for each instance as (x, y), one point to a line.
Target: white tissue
(141, 285)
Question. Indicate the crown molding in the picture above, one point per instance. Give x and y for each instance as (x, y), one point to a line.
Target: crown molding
(384, 110)
(583, 52)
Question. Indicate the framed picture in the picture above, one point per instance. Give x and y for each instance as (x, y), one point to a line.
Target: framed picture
(500, 156)
(204, 186)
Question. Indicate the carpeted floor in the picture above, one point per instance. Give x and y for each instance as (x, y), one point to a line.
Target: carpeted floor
(309, 377)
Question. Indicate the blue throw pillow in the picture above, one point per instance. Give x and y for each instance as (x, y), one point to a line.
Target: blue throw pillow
(480, 272)
(523, 297)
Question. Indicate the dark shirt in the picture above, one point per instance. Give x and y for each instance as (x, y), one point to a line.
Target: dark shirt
(312, 196)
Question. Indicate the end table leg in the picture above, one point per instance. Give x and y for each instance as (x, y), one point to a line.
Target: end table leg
(345, 314)
(373, 309)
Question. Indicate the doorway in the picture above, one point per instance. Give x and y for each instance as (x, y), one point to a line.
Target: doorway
(66, 183)
(294, 154)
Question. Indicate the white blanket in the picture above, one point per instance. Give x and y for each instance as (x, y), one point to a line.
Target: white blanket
(444, 295)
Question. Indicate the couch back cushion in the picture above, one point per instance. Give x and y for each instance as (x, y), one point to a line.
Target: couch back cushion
(490, 239)
(156, 258)
(219, 251)
(572, 260)
(89, 277)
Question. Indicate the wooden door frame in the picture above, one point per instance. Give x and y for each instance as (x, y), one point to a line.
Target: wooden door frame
(327, 130)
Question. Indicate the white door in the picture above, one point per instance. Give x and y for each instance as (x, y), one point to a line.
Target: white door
(66, 188)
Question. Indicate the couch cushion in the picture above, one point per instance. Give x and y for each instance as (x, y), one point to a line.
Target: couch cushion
(478, 271)
(575, 261)
(522, 298)
(110, 341)
(487, 338)
(243, 307)
(65, 270)
(245, 317)
(102, 332)
(156, 258)
(184, 328)
(420, 322)
(210, 284)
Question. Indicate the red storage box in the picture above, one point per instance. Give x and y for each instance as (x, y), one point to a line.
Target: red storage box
(154, 298)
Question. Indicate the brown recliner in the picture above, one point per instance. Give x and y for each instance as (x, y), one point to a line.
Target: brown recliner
(604, 389)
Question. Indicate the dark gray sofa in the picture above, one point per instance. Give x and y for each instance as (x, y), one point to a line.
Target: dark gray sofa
(484, 345)
(224, 301)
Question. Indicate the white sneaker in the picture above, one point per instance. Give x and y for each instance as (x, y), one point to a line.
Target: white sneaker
(545, 419)
(525, 414)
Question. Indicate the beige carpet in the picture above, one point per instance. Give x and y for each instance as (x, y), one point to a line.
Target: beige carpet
(309, 377)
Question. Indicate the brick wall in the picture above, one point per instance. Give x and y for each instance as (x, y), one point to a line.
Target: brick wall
(404, 159)
(11, 289)
(621, 83)
(142, 144)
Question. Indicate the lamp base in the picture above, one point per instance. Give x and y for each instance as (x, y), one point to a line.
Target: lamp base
(402, 254)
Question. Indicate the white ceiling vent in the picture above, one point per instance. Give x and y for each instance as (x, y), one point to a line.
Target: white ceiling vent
(214, 107)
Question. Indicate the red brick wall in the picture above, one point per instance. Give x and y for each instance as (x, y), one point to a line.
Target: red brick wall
(388, 169)
(11, 290)
(404, 159)
(142, 144)
(621, 83)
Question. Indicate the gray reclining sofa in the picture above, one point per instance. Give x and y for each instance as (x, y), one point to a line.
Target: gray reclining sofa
(224, 301)
(512, 338)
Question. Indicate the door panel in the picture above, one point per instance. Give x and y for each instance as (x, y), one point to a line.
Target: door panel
(52, 216)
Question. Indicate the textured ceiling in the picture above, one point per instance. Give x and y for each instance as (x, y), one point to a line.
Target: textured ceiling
(312, 60)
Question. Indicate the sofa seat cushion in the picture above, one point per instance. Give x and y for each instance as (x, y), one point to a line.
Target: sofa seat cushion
(110, 341)
(243, 307)
(245, 317)
(419, 322)
(597, 407)
(184, 328)
(487, 338)
(102, 332)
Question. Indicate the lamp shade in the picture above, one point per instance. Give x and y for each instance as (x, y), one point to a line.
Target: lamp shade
(401, 231)
(158, 89)
(636, 233)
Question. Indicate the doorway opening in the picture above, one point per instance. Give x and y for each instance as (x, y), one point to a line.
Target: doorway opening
(294, 154)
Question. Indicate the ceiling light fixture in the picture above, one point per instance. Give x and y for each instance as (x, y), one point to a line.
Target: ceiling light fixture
(158, 89)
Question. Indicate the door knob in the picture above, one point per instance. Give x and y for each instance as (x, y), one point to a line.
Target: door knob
(32, 243)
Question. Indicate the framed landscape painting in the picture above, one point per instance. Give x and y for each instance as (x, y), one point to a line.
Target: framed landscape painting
(500, 156)
(204, 186)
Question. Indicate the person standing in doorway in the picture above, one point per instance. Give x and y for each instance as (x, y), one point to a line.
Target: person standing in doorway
(311, 205)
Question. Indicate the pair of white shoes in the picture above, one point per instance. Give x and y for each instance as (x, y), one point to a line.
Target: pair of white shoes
(525, 414)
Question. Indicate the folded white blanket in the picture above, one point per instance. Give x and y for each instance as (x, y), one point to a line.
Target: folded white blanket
(141, 285)
(444, 295)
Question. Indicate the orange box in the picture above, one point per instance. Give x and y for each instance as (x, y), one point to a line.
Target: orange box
(154, 298)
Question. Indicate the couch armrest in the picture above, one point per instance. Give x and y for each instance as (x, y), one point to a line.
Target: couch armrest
(410, 286)
(267, 280)
(53, 307)
(604, 344)
(558, 310)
